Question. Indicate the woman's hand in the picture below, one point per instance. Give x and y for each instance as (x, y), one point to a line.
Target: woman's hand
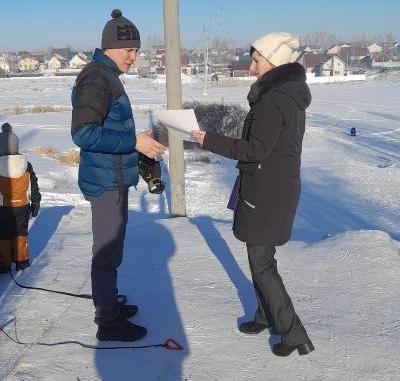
(198, 136)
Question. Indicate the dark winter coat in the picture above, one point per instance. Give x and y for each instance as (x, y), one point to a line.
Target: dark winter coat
(104, 129)
(18, 187)
(269, 156)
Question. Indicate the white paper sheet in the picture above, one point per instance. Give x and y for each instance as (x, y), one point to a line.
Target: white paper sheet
(179, 122)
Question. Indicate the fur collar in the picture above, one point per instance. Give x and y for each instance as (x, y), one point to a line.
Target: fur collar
(275, 78)
(13, 166)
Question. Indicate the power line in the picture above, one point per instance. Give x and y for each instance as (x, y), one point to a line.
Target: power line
(219, 21)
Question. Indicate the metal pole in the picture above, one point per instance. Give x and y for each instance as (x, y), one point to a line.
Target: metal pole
(174, 102)
(206, 70)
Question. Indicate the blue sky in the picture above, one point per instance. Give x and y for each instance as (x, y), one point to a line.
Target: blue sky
(38, 24)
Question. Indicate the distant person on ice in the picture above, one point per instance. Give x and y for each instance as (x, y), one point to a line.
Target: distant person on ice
(111, 157)
(268, 157)
(353, 131)
(19, 198)
(214, 78)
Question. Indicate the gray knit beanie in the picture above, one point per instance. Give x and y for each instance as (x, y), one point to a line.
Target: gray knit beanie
(9, 142)
(119, 32)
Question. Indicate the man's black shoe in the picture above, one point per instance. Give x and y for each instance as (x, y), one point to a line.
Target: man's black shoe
(253, 328)
(126, 311)
(285, 350)
(120, 330)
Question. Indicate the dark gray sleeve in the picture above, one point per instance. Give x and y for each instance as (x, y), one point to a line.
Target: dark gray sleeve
(91, 99)
(265, 130)
(35, 193)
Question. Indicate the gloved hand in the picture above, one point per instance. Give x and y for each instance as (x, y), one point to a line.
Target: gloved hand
(35, 206)
(156, 186)
(150, 170)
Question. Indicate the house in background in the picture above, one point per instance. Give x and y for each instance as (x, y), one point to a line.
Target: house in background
(28, 64)
(384, 61)
(335, 49)
(334, 65)
(63, 52)
(353, 53)
(241, 54)
(323, 65)
(382, 57)
(245, 57)
(8, 63)
(397, 48)
(79, 60)
(41, 59)
(4, 65)
(142, 65)
(310, 61)
(23, 54)
(185, 67)
(364, 64)
(240, 69)
(156, 55)
(57, 62)
(221, 70)
(311, 49)
(374, 48)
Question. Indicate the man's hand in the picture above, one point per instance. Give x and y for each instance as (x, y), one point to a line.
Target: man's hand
(198, 136)
(147, 145)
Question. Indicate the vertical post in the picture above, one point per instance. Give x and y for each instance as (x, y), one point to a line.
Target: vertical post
(174, 102)
(205, 70)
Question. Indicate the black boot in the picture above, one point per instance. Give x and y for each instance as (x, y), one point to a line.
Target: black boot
(120, 330)
(22, 265)
(285, 350)
(126, 311)
(253, 328)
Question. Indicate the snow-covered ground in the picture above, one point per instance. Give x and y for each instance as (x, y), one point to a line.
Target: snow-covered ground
(190, 277)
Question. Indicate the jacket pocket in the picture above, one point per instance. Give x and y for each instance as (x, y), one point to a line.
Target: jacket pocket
(244, 220)
(249, 174)
(248, 205)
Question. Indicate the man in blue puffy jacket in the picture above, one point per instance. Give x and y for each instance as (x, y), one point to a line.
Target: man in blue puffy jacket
(110, 157)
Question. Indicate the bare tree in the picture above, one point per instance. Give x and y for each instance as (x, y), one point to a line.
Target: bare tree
(360, 40)
(377, 38)
(153, 40)
(319, 38)
(390, 38)
(49, 51)
(226, 44)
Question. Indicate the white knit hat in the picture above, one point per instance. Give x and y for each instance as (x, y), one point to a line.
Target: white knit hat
(279, 48)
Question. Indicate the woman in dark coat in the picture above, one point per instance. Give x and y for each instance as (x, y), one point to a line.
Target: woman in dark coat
(269, 173)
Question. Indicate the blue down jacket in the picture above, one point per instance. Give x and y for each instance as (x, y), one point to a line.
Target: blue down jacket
(104, 128)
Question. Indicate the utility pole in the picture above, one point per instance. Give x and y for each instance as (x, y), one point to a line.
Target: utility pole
(206, 68)
(174, 102)
(206, 55)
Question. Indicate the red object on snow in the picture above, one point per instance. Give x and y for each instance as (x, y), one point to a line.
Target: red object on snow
(172, 345)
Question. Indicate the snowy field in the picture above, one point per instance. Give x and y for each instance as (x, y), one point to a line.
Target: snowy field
(190, 277)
